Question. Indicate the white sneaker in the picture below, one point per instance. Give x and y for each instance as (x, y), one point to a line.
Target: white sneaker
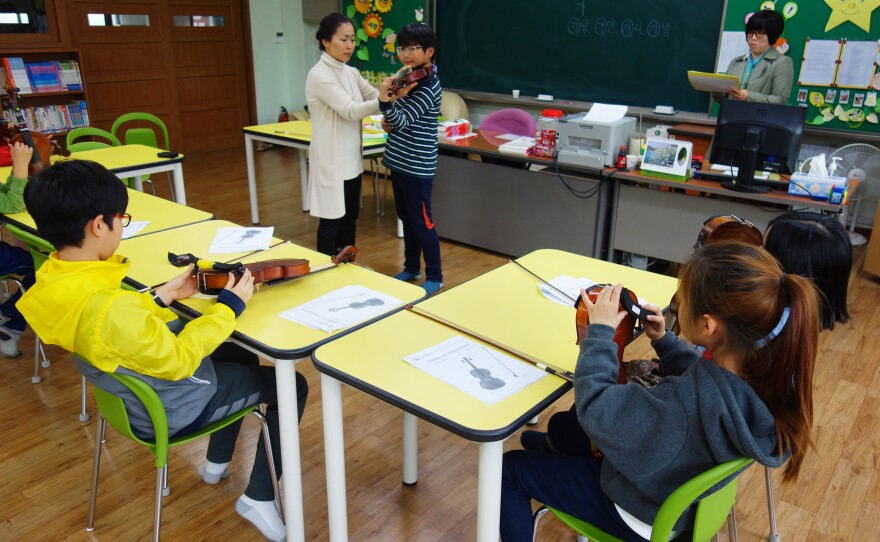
(10, 348)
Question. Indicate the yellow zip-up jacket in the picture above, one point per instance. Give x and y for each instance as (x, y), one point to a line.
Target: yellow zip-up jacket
(81, 307)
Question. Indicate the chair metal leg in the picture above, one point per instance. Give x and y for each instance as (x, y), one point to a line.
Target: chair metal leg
(36, 378)
(732, 535)
(96, 465)
(83, 413)
(171, 185)
(161, 473)
(539, 513)
(38, 344)
(152, 186)
(771, 506)
(165, 489)
(270, 457)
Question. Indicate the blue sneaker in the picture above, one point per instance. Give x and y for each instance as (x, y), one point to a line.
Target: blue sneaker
(431, 287)
(406, 276)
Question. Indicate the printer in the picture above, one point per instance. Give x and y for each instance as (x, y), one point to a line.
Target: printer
(591, 143)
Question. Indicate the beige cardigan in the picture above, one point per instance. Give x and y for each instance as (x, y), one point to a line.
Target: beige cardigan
(338, 99)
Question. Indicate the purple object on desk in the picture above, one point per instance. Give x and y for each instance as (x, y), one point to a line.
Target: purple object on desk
(510, 121)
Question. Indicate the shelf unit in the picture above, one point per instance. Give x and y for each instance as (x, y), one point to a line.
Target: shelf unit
(54, 98)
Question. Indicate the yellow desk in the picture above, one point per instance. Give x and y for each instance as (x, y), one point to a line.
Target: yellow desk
(161, 213)
(149, 253)
(130, 161)
(296, 134)
(504, 305)
(261, 330)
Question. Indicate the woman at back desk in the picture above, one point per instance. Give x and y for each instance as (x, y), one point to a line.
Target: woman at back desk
(765, 75)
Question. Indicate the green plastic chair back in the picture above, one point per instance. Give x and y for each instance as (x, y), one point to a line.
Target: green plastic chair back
(711, 511)
(36, 245)
(113, 410)
(141, 135)
(90, 131)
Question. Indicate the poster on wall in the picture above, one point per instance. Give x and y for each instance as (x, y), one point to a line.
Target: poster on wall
(376, 24)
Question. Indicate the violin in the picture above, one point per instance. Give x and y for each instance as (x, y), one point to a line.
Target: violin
(715, 229)
(42, 145)
(625, 330)
(410, 76)
(487, 381)
(211, 277)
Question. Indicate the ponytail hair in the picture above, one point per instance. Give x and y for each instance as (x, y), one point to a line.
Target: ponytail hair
(771, 322)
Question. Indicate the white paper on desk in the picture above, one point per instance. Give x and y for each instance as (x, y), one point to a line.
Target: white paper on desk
(341, 308)
(457, 137)
(508, 137)
(572, 287)
(476, 369)
(133, 228)
(229, 240)
(605, 113)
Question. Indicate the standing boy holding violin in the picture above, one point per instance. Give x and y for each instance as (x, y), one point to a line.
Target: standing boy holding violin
(411, 152)
(14, 260)
(78, 304)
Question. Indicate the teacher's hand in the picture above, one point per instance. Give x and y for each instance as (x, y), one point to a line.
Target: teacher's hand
(738, 94)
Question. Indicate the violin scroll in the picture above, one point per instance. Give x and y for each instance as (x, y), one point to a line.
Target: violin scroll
(346, 255)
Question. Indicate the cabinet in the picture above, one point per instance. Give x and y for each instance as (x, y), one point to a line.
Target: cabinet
(55, 105)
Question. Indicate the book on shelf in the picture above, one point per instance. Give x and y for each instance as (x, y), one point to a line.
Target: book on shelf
(44, 76)
(69, 75)
(17, 75)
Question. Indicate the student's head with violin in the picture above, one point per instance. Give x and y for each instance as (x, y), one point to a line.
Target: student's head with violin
(78, 205)
(416, 45)
(762, 325)
(335, 36)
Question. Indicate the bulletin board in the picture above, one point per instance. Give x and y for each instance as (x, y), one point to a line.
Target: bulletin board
(842, 94)
(376, 24)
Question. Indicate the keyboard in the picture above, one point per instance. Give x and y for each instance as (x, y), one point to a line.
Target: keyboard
(757, 181)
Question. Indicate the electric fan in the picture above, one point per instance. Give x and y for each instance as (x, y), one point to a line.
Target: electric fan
(857, 161)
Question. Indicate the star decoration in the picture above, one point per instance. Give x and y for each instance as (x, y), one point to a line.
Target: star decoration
(857, 12)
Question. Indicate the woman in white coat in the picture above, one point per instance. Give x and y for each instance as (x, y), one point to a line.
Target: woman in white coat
(338, 99)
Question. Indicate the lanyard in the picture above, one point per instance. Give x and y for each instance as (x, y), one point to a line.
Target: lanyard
(750, 64)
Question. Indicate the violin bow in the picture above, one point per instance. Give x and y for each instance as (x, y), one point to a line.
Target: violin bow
(562, 373)
(530, 272)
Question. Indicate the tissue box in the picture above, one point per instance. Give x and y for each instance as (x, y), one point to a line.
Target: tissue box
(816, 187)
(452, 128)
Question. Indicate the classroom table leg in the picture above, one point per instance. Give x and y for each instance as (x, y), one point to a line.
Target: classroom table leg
(334, 457)
(179, 190)
(304, 177)
(252, 178)
(410, 449)
(285, 378)
(138, 183)
(489, 491)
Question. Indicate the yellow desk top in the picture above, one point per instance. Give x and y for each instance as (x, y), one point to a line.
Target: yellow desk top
(505, 305)
(162, 214)
(299, 131)
(149, 253)
(260, 326)
(116, 159)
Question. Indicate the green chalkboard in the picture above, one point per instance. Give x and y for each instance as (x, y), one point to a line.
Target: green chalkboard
(633, 52)
(810, 20)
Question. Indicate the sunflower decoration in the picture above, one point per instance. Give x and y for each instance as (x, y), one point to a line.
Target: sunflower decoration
(373, 25)
(383, 6)
(362, 6)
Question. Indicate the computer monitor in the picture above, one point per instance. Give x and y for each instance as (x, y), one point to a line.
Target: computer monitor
(756, 136)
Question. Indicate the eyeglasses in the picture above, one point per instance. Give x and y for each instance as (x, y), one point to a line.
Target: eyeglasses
(409, 50)
(756, 35)
(125, 218)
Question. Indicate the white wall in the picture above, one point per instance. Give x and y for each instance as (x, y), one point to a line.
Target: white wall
(280, 69)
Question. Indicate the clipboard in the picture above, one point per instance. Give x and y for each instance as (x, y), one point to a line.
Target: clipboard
(712, 82)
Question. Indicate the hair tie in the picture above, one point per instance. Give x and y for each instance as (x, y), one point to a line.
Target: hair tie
(782, 280)
(761, 343)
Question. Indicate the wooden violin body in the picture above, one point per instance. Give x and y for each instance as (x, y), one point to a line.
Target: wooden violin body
(404, 79)
(43, 145)
(622, 336)
(212, 278)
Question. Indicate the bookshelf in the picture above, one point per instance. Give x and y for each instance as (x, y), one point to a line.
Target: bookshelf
(54, 104)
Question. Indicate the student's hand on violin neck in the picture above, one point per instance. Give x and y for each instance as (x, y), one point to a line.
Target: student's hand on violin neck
(606, 308)
(244, 289)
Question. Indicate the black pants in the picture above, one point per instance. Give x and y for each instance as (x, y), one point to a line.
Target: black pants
(334, 234)
(242, 382)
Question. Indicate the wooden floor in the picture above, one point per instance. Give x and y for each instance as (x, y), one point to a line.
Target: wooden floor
(46, 453)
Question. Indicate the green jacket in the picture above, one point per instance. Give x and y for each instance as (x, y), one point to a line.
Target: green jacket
(770, 81)
(12, 195)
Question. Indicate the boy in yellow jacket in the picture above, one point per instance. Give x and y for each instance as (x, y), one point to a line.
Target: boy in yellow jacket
(78, 304)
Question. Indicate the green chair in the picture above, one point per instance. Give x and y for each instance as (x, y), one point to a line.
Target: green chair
(711, 512)
(111, 409)
(40, 249)
(89, 145)
(143, 135)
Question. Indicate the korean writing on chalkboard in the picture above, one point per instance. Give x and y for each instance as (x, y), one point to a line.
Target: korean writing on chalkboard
(604, 26)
